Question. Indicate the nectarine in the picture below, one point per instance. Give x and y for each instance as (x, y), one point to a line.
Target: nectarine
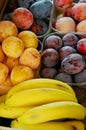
(79, 11)
(22, 17)
(62, 3)
(65, 24)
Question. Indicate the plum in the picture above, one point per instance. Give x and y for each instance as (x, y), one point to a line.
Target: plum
(70, 39)
(81, 46)
(64, 77)
(48, 72)
(39, 27)
(73, 63)
(25, 3)
(65, 51)
(54, 42)
(23, 18)
(50, 57)
(41, 9)
(80, 77)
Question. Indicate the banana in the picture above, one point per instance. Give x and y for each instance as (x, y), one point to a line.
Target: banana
(40, 83)
(53, 111)
(7, 128)
(38, 96)
(67, 125)
(11, 112)
(2, 98)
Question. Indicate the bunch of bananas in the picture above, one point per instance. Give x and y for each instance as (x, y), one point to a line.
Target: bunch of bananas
(43, 104)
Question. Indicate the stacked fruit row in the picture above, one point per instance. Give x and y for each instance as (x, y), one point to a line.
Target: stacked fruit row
(43, 104)
(63, 58)
(19, 55)
(69, 17)
(30, 14)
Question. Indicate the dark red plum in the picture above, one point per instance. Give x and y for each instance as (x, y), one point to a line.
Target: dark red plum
(54, 42)
(39, 27)
(70, 39)
(81, 46)
(80, 77)
(65, 51)
(48, 72)
(50, 57)
(64, 77)
(73, 63)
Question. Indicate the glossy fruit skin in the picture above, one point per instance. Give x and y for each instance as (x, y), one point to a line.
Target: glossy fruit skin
(48, 72)
(54, 42)
(81, 46)
(41, 9)
(80, 77)
(39, 27)
(70, 39)
(73, 63)
(64, 77)
(50, 57)
(65, 51)
(25, 3)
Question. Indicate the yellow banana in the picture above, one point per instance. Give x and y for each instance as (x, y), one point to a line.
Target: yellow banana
(2, 98)
(67, 125)
(40, 83)
(11, 112)
(53, 111)
(38, 96)
(7, 128)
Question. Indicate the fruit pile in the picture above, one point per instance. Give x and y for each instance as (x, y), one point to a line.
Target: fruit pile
(34, 15)
(69, 17)
(19, 56)
(39, 104)
(64, 58)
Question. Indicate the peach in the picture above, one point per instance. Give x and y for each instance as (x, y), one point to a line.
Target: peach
(2, 55)
(65, 24)
(81, 27)
(62, 3)
(4, 71)
(6, 86)
(21, 73)
(11, 62)
(7, 28)
(79, 11)
(29, 38)
(13, 46)
(31, 58)
(22, 17)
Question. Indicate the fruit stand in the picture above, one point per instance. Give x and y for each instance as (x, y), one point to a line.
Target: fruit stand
(43, 65)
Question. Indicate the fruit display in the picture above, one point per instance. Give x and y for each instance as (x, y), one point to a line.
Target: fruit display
(43, 65)
(17, 54)
(69, 17)
(63, 58)
(30, 14)
(46, 103)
